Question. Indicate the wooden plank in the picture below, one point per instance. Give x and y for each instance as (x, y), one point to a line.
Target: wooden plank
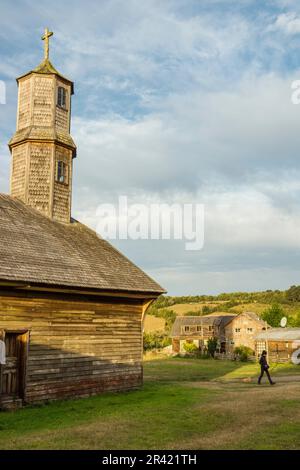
(76, 346)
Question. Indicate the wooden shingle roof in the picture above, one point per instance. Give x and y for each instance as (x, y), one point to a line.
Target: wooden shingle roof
(46, 67)
(42, 133)
(35, 249)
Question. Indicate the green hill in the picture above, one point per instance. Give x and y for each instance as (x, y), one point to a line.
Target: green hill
(273, 304)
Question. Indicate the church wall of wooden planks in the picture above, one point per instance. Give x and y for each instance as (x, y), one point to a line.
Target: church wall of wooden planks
(69, 345)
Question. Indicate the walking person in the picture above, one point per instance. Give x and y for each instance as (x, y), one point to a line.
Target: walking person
(264, 368)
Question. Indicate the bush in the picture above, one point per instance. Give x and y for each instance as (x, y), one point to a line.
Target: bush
(212, 345)
(190, 348)
(294, 321)
(243, 352)
(273, 315)
(293, 294)
(206, 309)
(156, 340)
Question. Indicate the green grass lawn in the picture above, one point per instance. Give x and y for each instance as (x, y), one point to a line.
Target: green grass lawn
(206, 369)
(185, 403)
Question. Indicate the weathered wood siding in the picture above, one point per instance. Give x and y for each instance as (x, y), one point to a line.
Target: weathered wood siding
(39, 180)
(77, 347)
(63, 116)
(175, 345)
(24, 108)
(62, 191)
(18, 173)
(43, 100)
(280, 351)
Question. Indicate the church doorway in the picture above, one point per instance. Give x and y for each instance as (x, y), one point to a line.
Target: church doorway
(13, 372)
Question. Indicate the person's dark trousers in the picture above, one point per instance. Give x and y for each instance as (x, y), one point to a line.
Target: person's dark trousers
(262, 371)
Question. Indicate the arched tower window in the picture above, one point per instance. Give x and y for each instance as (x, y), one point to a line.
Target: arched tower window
(62, 97)
(62, 172)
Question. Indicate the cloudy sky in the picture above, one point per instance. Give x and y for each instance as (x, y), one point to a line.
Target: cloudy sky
(185, 101)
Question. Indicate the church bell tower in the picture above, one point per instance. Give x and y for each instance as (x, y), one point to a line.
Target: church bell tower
(42, 148)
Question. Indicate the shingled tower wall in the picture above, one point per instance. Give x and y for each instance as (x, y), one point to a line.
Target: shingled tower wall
(42, 148)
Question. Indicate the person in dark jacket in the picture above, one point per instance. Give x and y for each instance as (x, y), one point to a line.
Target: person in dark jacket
(264, 368)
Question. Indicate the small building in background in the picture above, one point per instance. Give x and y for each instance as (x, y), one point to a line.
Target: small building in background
(280, 343)
(231, 331)
(241, 330)
(197, 330)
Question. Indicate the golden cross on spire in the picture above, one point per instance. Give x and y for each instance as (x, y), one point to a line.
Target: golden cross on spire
(45, 38)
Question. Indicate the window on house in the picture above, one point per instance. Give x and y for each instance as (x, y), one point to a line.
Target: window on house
(61, 172)
(199, 328)
(237, 330)
(186, 329)
(249, 330)
(260, 347)
(62, 97)
(210, 328)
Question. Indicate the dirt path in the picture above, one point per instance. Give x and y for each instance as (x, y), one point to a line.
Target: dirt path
(253, 380)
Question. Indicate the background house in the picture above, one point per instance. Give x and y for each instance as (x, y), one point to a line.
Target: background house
(280, 343)
(196, 329)
(231, 330)
(241, 330)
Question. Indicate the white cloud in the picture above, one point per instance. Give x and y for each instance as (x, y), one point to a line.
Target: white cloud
(287, 22)
(236, 137)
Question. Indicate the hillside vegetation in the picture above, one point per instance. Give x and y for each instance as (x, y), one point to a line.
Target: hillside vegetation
(154, 323)
(270, 305)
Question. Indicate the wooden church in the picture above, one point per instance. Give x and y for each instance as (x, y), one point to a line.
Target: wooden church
(71, 305)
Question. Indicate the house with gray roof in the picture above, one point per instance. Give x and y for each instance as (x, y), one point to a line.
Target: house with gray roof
(197, 330)
(281, 344)
(231, 331)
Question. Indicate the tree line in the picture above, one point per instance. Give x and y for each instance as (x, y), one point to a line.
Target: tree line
(269, 296)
